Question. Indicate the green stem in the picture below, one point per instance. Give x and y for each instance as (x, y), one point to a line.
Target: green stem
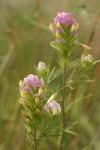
(63, 109)
(35, 141)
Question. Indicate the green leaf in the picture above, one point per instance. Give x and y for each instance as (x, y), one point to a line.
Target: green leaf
(96, 61)
(71, 132)
(55, 45)
(29, 137)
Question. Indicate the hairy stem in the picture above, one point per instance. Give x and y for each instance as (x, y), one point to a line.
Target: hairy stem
(63, 110)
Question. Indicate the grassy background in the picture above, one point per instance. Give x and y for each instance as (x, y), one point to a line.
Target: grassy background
(24, 40)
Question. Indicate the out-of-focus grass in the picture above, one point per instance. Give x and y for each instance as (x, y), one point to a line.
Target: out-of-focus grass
(19, 51)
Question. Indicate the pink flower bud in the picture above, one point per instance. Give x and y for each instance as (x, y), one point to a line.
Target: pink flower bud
(87, 58)
(41, 66)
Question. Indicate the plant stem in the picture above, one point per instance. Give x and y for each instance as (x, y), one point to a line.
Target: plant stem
(35, 141)
(63, 109)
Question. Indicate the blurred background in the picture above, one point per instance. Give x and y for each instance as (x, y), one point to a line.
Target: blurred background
(24, 40)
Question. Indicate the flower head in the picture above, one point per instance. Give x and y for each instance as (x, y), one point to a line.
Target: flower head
(64, 26)
(32, 81)
(32, 85)
(52, 107)
(64, 18)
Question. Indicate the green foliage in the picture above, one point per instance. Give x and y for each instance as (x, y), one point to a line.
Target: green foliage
(17, 61)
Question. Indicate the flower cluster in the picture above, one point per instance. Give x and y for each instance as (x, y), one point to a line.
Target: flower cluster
(64, 26)
(29, 83)
(37, 107)
(33, 91)
(32, 85)
(65, 31)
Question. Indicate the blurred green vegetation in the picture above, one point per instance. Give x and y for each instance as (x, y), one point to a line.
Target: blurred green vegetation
(24, 40)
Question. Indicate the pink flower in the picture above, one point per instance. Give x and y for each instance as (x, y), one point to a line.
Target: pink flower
(32, 81)
(52, 107)
(64, 18)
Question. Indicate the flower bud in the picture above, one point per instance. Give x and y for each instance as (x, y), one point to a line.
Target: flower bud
(40, 92)
(86, 58)
(52, 97)
(21, 101)
(21, 84)
(24, 114)
(74, 27)
(51, 27)
(58, 35)
(37, 111)
(37, 100)
(42, 82)
(58, 25)
(41, 66)
(23, 94)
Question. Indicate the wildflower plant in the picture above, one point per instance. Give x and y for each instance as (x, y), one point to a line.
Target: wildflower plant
(41, 106)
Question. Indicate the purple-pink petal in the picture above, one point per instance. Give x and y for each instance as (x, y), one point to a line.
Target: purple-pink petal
(32, 81)
(58, 29)
(46, 108)
(64, 18)
(53, 105)
(27, 89)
